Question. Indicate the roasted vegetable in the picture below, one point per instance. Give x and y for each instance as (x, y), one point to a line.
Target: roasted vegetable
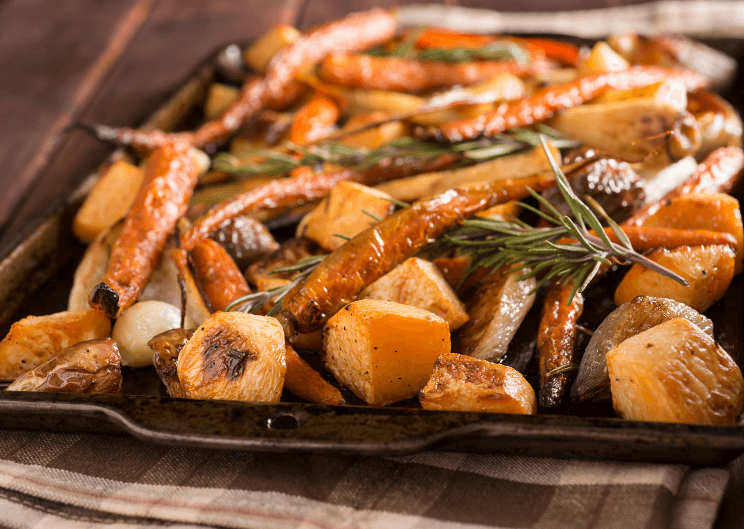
(462, 383)
(720, 125)
(496, 311)
(245, 239)
(166, 347)
(383, 351)
(87, 367)
(708, 269)
(419, 283)
(289, 253)
(262, 50)
(234, 356)
(675, 372)
(314, 120)
(308, 384)
(634, 317)
(138, 324)
(219, 278)
(36, 339)
(170, 177)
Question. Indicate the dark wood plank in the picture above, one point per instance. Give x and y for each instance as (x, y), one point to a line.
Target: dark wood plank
(51, 66)
(176, 36)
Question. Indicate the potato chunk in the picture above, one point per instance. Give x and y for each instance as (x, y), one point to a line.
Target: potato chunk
(709, 270)
(342, 212)
(420, 284)
(496, 311)
(703, 211)
(108, 201)
(675, 372)
(258, 54)
(88, 367)
(383, 351)
(234, 356)
(463, 383)
(36, 339)
(219, 98)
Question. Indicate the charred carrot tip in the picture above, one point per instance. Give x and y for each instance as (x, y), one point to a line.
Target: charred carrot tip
(105, 299)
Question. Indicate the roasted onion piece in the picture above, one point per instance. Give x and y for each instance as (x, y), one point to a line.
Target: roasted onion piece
(245, 239)
(634, 317)
(87, 367)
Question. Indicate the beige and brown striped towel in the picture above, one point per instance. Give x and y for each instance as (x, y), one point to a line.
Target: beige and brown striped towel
(84, 480)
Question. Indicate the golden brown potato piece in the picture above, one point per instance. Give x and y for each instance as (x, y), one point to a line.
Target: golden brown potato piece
(709, 270)
(36, 339)
(603, 59)
(87, 367)
(496, 311)
(166, 347)
(419, 283)
(675, 372)
(108, 201)
(383, 351)
(234, 356)
(463, 383)
(342, 212)
(258, 54)
(219, 98)
(703, 211)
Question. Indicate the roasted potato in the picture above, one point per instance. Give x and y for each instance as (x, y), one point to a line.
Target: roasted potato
(674, 372)
(463, 383)
(36, 339)
(166, 347)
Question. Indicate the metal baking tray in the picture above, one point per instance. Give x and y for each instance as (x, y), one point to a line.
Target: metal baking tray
(47, 254)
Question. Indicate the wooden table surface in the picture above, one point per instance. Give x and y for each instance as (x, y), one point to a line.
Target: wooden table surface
(113, 61)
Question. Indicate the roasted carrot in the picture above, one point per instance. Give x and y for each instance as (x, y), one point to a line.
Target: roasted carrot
(410, 75)
(170, 177)
(308, 384)
(644, 238)
(356, 32)
(563, 52)
(314, 120)
(556, 339)
(447, 39)
(546, 102)
(294, 191)
(217, 275)
(720, 171)
(374, 252)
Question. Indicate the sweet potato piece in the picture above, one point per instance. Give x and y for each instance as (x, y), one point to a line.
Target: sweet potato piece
(93, 366)
(495, 313)
(36, 339)
(108, 201)
(463, 383)
(674, 372)
(709, 269)
(382, 351)
(419, 283)
(703, 211)
(342, 212)
(234, 356)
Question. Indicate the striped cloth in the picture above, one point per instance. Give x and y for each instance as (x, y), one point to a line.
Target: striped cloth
(84, 480)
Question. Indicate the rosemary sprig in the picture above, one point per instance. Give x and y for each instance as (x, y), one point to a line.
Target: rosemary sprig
(518, 246)
(253, 302)
(494, 51)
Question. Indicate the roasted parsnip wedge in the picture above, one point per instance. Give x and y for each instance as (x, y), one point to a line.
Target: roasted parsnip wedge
(720, 124)
(166, 347)
(36, 339)
(496, 311)
(463, 383)
(348, 209)
(626, 321)
(234, 356)
(603, 59)
(675, 372)
(419, 283)
(87, 367)
(703, 211)
(108, 201)
(709, 270)
(383, 351)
